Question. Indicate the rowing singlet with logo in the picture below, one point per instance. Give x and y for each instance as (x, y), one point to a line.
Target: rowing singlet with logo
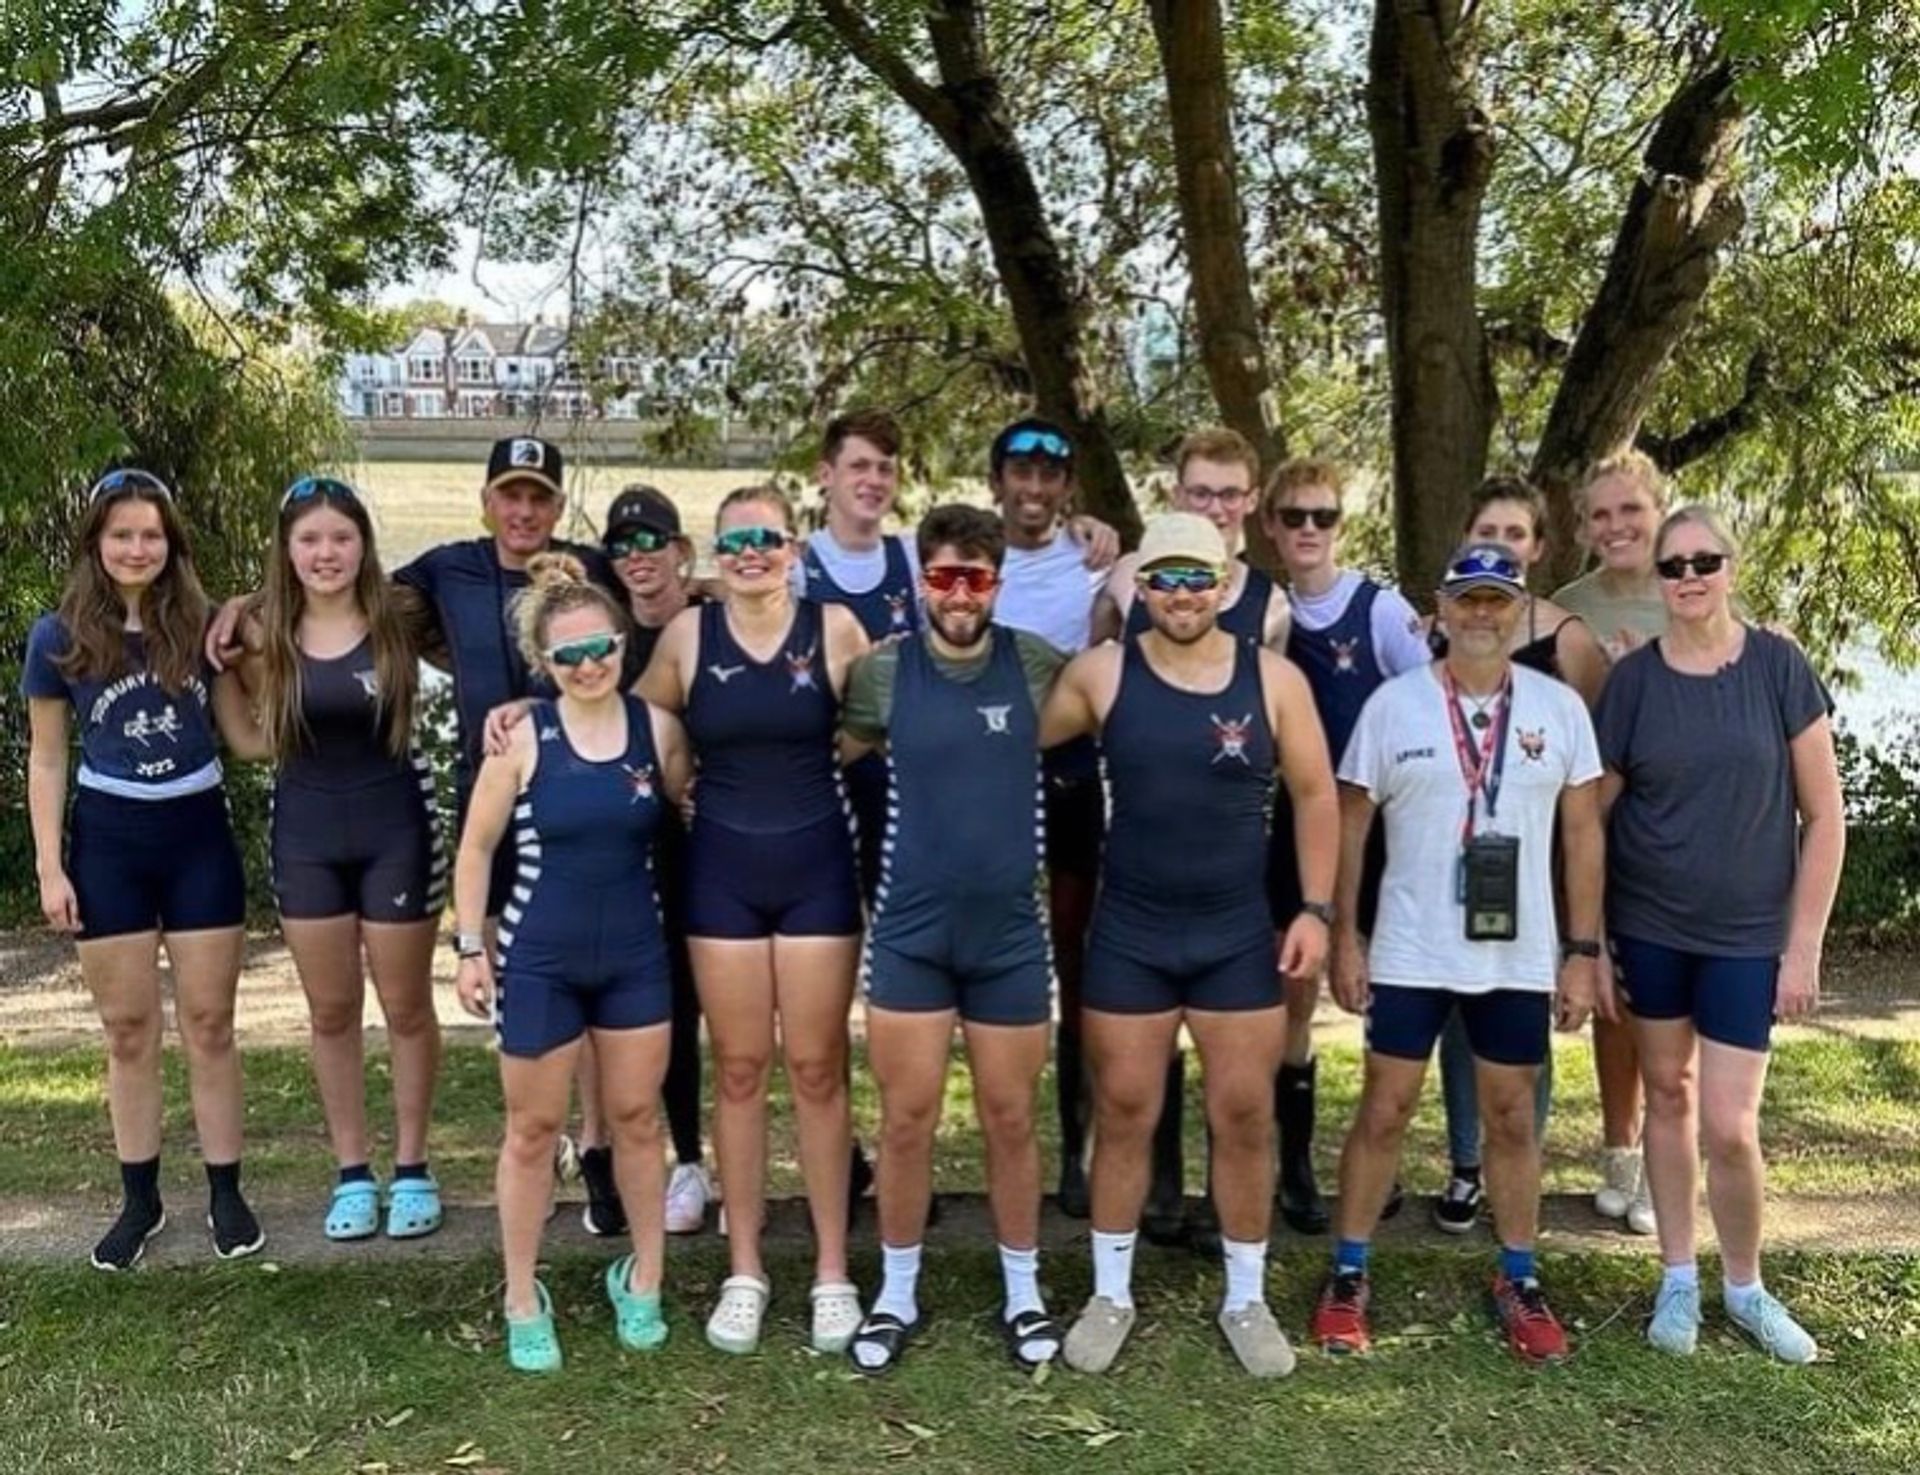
(1340, 665)
(886, 609)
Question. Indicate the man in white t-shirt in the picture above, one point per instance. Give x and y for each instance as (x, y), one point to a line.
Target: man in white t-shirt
(1467, 760)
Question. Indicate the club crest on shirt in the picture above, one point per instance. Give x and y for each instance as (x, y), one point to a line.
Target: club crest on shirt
(897, 610)
(800, 669)
(369, 683)
(1343, 661)
(1230, 739)
(1533, 745)
(145, 726)
(996, 717)
(639, 782)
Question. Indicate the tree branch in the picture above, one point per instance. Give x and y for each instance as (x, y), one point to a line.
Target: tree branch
(1705, 435)
(873, 53)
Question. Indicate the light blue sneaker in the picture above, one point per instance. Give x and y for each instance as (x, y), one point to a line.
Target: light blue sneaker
(1773, 1327)
(1675, 1327)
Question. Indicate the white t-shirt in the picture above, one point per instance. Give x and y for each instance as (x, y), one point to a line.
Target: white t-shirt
(858, 571)
(1399, 640)
(1048, 591)
(1403, 754)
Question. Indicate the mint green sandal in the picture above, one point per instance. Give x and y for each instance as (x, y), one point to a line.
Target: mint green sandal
(532, 1346)
(636, 1314)
(413, 1207)
(354, 1212)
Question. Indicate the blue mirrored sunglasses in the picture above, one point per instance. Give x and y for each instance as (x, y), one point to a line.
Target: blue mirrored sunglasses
(130, 480)
(318, 486)
(1480, 565)
(1039, 443)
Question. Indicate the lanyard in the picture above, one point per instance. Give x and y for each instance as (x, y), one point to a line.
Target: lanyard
(1482, 770)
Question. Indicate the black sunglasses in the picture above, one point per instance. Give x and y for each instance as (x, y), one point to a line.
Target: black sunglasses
(640, 540)
(1324, 518)
(1704, 564)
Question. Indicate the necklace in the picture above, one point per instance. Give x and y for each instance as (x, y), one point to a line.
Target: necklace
(1479, 718)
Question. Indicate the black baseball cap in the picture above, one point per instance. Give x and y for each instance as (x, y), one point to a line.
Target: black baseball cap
(526, 458)
(641, 506)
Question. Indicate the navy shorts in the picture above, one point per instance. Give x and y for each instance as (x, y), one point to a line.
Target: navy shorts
(1147, 962)
(1076, 810)
(1729, 1000)
(799, 883)
(996, 973)
(551, 992)
(506, 858)
(370, 852)
(145, 865)
(1509, 1026)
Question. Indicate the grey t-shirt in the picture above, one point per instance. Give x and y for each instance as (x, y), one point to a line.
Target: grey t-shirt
(868, 709)
(1703, 842)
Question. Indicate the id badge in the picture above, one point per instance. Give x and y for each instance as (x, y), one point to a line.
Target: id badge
(1490, 887)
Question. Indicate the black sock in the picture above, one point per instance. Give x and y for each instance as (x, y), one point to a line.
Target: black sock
(235, 1230)
(224, 1179)
(140, 1183)
(353, 1173)
(410, 1170)
(1472, 1175)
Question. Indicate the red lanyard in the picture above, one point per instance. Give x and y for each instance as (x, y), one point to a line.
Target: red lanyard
(1481, 770)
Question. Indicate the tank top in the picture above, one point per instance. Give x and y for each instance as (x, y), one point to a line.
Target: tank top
(1340, 666)
(886, 609)
(583, 822)
(1244, 619)
(763, 732)
(342, 740)
(1190, 777)
(964, 766)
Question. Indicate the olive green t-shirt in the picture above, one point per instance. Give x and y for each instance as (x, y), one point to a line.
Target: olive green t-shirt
(1619, 623)
(868, 708)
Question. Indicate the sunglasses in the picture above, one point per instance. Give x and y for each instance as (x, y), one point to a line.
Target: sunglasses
(309, 487)
(640, 540)
(944, 578)
(114, 483)
(1479, 565)
(1038, 443)
(1295, 518)
(586, 648)
(1173, 580)
(1703, 564)
(735, 541)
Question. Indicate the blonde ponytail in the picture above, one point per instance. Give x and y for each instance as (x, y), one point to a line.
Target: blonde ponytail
(556, 583)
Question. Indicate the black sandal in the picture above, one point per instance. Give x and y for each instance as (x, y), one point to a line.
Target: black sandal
(884, 1330)
(1023, 1331)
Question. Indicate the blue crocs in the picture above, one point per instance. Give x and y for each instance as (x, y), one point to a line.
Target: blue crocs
(354, 1212)
(532, 1345)
(636, 1314)
(413, 1207)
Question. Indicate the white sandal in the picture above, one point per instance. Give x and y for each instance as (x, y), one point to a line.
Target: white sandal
(836, 1315)
(734, 1325)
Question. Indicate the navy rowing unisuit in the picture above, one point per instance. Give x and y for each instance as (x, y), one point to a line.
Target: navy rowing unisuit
(957, 924)
(771, 850)
(581, 942)
(353, 831)
(1190, 776)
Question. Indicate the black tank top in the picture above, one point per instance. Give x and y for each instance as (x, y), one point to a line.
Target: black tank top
(342, 740)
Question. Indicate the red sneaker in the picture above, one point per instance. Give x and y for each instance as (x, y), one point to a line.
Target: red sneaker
(1340, 1320)
(1534, 1334)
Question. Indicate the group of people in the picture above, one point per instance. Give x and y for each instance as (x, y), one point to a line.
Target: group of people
(1008, 779)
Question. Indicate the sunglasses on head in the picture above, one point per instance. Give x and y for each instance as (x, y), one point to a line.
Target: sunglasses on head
(587, 648)
(1032, 442)
(944, 578)
(1174, 579)
(1677, 567)
(309, 487)
(1295, 518)
(116, 482)
(735, 541)
(640, 540)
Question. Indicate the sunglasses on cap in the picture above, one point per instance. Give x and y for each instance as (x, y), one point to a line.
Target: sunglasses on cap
(944, 578)
(1035, 442)
(586, 648)
(309, 487)
(640, 540)
(1703, 564)
(735, 541)
(115, 483)
(1173, 580)
(1482, 563)
(1295, 518)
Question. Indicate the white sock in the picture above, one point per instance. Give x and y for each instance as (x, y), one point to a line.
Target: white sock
(1685, 1276)
(1113, 1267)
(1246, 1272)
(900, 1280)
(1020, 1269)
(1741, 1298)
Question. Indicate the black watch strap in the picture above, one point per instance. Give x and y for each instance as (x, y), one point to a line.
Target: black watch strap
(1321, 909)
(1579, 947)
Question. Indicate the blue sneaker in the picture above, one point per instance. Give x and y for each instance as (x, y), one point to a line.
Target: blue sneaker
(1773, 1327)
(1675, 1327)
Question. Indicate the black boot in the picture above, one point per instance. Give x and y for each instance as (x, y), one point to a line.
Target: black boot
(1300, 1202)
(604, 1215)
(1164, 1221)
(1075, 1201)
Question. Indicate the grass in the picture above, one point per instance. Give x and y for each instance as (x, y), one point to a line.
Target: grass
(392, 1369)
(1839, 1120)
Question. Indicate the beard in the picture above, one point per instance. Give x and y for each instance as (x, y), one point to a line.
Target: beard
(962, 629)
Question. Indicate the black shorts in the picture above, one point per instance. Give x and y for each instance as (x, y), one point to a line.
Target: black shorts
(1509, 1026)
(146, 865)
(1076, 824)
(371, 852)
(799, 883)
(1142, 961)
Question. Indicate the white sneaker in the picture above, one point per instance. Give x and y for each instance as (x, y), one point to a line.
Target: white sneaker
(1620, 1171)
(688, 1193)
(1640, 1218)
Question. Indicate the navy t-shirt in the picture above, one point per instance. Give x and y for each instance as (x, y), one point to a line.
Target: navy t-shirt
(137, 739)
(470, 594)
(1703, 842)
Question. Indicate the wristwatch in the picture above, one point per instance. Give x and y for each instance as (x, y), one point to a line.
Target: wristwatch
(1579, 947)
(469, 945)
(1321, 909)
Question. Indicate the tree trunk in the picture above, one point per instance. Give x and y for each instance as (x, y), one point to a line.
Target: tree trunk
(1684, 208)
(967, 110)
(1433, 156)
(1213, 229)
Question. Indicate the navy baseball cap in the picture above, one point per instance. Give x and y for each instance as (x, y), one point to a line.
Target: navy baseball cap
(526, 458)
